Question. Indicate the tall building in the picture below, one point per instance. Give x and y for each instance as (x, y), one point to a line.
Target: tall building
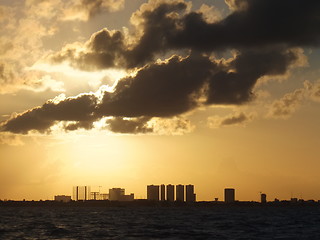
(118, 194)
(180, 193)
(162, 192)
(153, 192)
(190, 195)
(263, 198)
(229, 195)
(170, 193)
(81, 193)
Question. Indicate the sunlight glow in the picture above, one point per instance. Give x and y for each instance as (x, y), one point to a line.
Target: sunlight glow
(95, 79)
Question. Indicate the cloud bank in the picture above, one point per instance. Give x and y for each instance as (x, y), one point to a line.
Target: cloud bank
(266, 37)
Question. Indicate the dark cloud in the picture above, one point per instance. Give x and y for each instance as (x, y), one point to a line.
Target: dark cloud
(167, 26)
(240, 118)
(264, 34)
(236, 119)
(105, 49)
(254, 24)
(79, 124)
(81, 108)
(158, 26)
(160, 90)
(121, 125)
(234, 85)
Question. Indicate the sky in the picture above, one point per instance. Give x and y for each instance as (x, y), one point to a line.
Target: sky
(127, 93)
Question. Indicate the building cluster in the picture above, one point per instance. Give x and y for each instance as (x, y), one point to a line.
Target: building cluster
(118, 194)
(62, 198)
(170, 193)
(167, 193)
(84, 193)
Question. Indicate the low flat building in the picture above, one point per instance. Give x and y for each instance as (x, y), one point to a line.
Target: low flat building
(62, 198)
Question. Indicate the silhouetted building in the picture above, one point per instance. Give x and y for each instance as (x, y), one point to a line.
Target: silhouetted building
(263, 198)
(62, 198)
(162, 192)
(153, 192)
(104, 196)
(118, 194)
(127, 198)
(229, 195)
(95, 195)
(81, 193)
(190, 195)
(170, 193)
(115, 194)
(180, 193)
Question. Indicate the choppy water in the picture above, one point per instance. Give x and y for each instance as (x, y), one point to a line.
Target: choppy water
(234, 222)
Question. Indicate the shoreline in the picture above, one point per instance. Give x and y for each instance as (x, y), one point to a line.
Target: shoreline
(148, 203)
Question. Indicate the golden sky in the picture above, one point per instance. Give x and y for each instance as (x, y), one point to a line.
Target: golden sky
(130, 93)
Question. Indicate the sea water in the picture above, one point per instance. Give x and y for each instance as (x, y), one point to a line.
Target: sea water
(229, 222)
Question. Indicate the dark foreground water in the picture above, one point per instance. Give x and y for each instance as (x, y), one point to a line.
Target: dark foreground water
(233, 222)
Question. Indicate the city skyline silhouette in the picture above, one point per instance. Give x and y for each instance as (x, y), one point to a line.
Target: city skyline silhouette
(130, 93)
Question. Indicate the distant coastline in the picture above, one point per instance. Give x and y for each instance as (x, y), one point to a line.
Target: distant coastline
(148, 203)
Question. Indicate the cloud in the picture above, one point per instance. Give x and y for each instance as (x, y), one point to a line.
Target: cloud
(10, 139)
(78, 125)
(287, 105)
(84, 10)
(105, 49)
(164, 26)
(290, 102)
(313, 90)
(159, 90)
(210, 13)
(177, 125)
(235, 119)
(6, 74)
(132, 126)
(20, 47)
(234, 85)
(165, 89)
(253, 24)
(79, 109)
(265, 35)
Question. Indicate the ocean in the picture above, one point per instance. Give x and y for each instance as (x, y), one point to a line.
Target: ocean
(145, 222)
